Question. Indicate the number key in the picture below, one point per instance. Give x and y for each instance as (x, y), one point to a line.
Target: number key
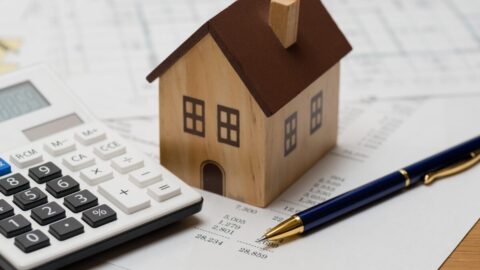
(6, 210)
(63, 186)
(14, 226)
(45, 172)
(32, 241)
(13, 184)
(80, 201)
(30, 198)
(48, 213)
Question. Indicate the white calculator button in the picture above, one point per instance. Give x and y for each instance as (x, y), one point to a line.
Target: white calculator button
(163, 191)
(96, 174)
(90, 135)
(109, 150)
(78, 161)
(145, 176)
(26, 157)
(127, 163)
(124, 195)
(57, 147)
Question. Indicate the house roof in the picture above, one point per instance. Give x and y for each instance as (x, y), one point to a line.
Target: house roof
(274, 75)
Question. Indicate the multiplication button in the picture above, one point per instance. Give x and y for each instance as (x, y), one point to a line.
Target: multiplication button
(45, 172)
(96, 174)
(13, 184)
(66, 229)
(99, 216)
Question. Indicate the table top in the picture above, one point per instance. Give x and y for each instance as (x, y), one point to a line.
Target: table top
(467, 253)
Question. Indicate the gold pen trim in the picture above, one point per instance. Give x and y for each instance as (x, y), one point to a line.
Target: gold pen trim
(406, 176)
(289, 227)
(453, 169)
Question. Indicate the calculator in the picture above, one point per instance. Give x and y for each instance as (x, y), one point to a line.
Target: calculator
(70, 187)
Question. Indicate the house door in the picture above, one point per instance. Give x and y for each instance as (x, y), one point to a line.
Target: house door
(212, 177)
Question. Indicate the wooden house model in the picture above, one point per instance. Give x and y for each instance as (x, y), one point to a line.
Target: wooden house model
(249, 102)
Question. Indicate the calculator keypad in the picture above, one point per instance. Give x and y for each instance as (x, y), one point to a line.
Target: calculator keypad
(30, 198)
(96, 174)
(62, 187)
(13, 184)
(14, 226)
(32, 241)
(48, 213)
(80, 201)
(45, 172)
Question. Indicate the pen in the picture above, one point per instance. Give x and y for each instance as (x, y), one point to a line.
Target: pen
(449, 162)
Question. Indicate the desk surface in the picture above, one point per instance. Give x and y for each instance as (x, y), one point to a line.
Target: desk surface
(467, 253)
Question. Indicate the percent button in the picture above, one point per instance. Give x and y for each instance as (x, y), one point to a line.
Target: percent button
(98, 216)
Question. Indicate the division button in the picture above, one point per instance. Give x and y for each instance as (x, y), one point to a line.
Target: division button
(48, 213)
(5, 168)
(99, 216)
(80, 201)
(125, 196)
(127, 163)
(62, 187)
(45, 172)
(6, 210)
(32, 241)
(66, 229)
(78, 161)
(30, 198)
(26, 157)
(163, 191)
(13, 184)
(14, 226)
(145, 176)
(96, 174)
(59, 146)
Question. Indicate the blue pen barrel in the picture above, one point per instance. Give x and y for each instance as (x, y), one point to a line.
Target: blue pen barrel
(352, 200)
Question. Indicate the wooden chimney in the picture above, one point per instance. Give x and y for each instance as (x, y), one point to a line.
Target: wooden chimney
(283, 19)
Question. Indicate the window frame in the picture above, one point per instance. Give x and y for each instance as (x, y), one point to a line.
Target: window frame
(228, 125)
(316, 112)
(194, 116)
(290, 132)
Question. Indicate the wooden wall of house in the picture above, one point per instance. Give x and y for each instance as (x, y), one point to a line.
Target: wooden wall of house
(204, 73)
(283, 170)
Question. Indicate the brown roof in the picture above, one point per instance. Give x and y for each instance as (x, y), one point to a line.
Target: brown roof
(273, 75)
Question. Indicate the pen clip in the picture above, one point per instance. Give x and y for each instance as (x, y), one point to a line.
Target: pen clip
(453, 169)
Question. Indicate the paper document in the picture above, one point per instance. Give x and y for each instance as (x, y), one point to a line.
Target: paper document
(395, 234)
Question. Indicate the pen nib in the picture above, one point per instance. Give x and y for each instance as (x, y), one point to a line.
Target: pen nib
(263, 238)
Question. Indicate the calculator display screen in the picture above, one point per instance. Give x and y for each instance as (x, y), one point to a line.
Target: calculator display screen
(20, 99)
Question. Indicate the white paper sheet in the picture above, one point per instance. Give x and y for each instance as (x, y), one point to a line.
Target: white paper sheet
(417, 229)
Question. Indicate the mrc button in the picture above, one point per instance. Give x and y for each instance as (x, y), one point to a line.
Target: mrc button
(26, 157)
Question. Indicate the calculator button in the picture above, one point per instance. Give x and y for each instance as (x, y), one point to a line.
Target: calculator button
(80, 201)
(30, 198)
(145, 176)
(13, 184)
(5, 168)
(125, 196)
(62, 187)
(45, 172)
(127, 163)
(26, 157)
(48, 213)
(14, 226)
(163, 191)
(59, 147)
(32, 241)
(109, 150)
(90, 135)
(78, 161)
(66, 229)
(6, 210)
(96, 174)
(99, 216)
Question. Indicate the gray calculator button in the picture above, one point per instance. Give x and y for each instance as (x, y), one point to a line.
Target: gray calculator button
(66, 229)
(6, 210)
(99, 216)
(48, 213)
(62, 187)
(80, 201)
(45, 172)
(30, 198)
(32, 241)
(13, 184)
(14, 226)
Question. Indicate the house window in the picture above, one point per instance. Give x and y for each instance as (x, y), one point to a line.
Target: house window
(194, 116)
(316, 107)
(228, 125)
(290, 133)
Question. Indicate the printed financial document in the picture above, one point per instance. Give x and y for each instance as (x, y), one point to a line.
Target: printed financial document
(375, 138)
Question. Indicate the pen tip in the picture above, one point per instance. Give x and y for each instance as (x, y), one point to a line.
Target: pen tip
(261, 238)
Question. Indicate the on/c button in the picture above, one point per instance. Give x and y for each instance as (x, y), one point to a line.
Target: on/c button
(4, 167)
